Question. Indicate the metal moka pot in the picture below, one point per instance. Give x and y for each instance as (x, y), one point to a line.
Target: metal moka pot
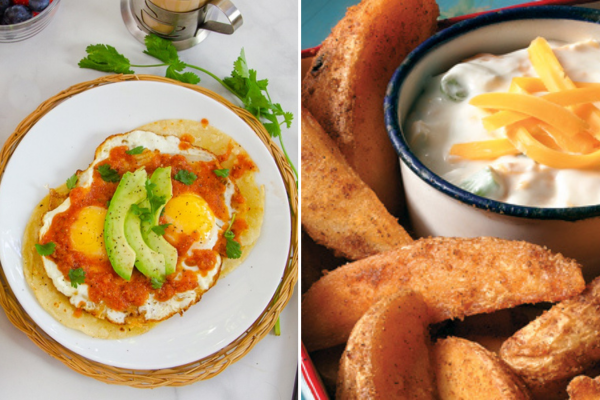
(185, 22)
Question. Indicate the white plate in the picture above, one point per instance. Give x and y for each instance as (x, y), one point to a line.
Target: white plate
(63, 141)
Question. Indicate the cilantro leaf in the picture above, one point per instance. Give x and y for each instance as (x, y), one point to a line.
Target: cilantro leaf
(223, 173)
(150, 186)
(240, 66)
(160, 229)
(105, 58)
(232, 247)
(154, 200)
(135, 150)
(77, 277)
(72, 181)
(185, 177)
(137, 210)
(156, 283)
(45, 249)
(142, 212)
(164, 50)
(186, 77)
(108, 174)
(288, 117)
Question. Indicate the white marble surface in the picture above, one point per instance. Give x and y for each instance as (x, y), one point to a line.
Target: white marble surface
(38, 68)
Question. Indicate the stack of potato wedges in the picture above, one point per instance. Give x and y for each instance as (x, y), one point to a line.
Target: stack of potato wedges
(388, 317)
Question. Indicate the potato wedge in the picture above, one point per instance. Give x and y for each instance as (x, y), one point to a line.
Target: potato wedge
(558, 345)
(339, 210)
(584, 388)
(464, 370)
(347, 82)
(387, 355)
(456, 276)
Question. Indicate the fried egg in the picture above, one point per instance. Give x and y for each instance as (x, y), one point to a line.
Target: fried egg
(195, 219)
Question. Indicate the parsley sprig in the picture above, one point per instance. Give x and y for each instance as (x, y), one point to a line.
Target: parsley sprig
(232, 247)
(45, 249)
(155, 202)
(77, 277)
(160, 229)
(108, 174)
(186, 177)
(243, 82)
(72, 181)
(135, 150)
(223, 173)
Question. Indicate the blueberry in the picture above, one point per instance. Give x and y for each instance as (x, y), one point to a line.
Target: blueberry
(38, 5)
(3, 6)
(16, 14)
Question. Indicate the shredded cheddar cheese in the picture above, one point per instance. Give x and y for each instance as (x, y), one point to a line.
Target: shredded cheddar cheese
(549, 118)
(532, 106)
(484, 150)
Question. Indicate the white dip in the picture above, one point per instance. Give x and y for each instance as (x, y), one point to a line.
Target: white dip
(437, 122)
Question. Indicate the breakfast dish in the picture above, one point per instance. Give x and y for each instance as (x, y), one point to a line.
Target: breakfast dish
(545, 101)
(237, 310)
(145, 230)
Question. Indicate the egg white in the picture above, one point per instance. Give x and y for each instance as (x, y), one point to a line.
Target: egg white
(152, 309)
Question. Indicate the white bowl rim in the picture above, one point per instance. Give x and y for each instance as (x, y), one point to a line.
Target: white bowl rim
(413, 163)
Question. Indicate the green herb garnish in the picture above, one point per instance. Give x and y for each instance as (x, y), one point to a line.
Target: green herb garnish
(45, 249)
(453, 89)
(156, 283)
(243, 82)
(135, 150)
(233, 248)
(143, 212)
(185, 177)
(223, 173)
(108, 174)
(72, 181)
(105, 58)
(155, 201)
(77, 277)
(484, 182)
(160, 229)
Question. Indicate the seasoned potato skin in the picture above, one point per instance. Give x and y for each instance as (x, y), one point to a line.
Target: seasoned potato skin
(584, 388)
(456, 277)
(387, 355)
(465, 370)
(346, 85)
(558, 345)
(339, 210)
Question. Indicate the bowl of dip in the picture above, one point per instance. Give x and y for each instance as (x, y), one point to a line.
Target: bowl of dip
(429, 110)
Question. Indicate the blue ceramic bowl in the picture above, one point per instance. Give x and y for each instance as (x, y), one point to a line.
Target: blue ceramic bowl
(439, 208)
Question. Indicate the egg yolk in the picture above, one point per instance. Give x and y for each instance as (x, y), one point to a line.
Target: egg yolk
(190, 214)
(87, 232)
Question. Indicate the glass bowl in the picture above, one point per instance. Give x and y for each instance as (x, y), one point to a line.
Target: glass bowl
(26, 29)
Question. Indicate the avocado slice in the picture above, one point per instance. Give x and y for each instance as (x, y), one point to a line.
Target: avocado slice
(147, 261)
(131, 190)
(164, 188)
